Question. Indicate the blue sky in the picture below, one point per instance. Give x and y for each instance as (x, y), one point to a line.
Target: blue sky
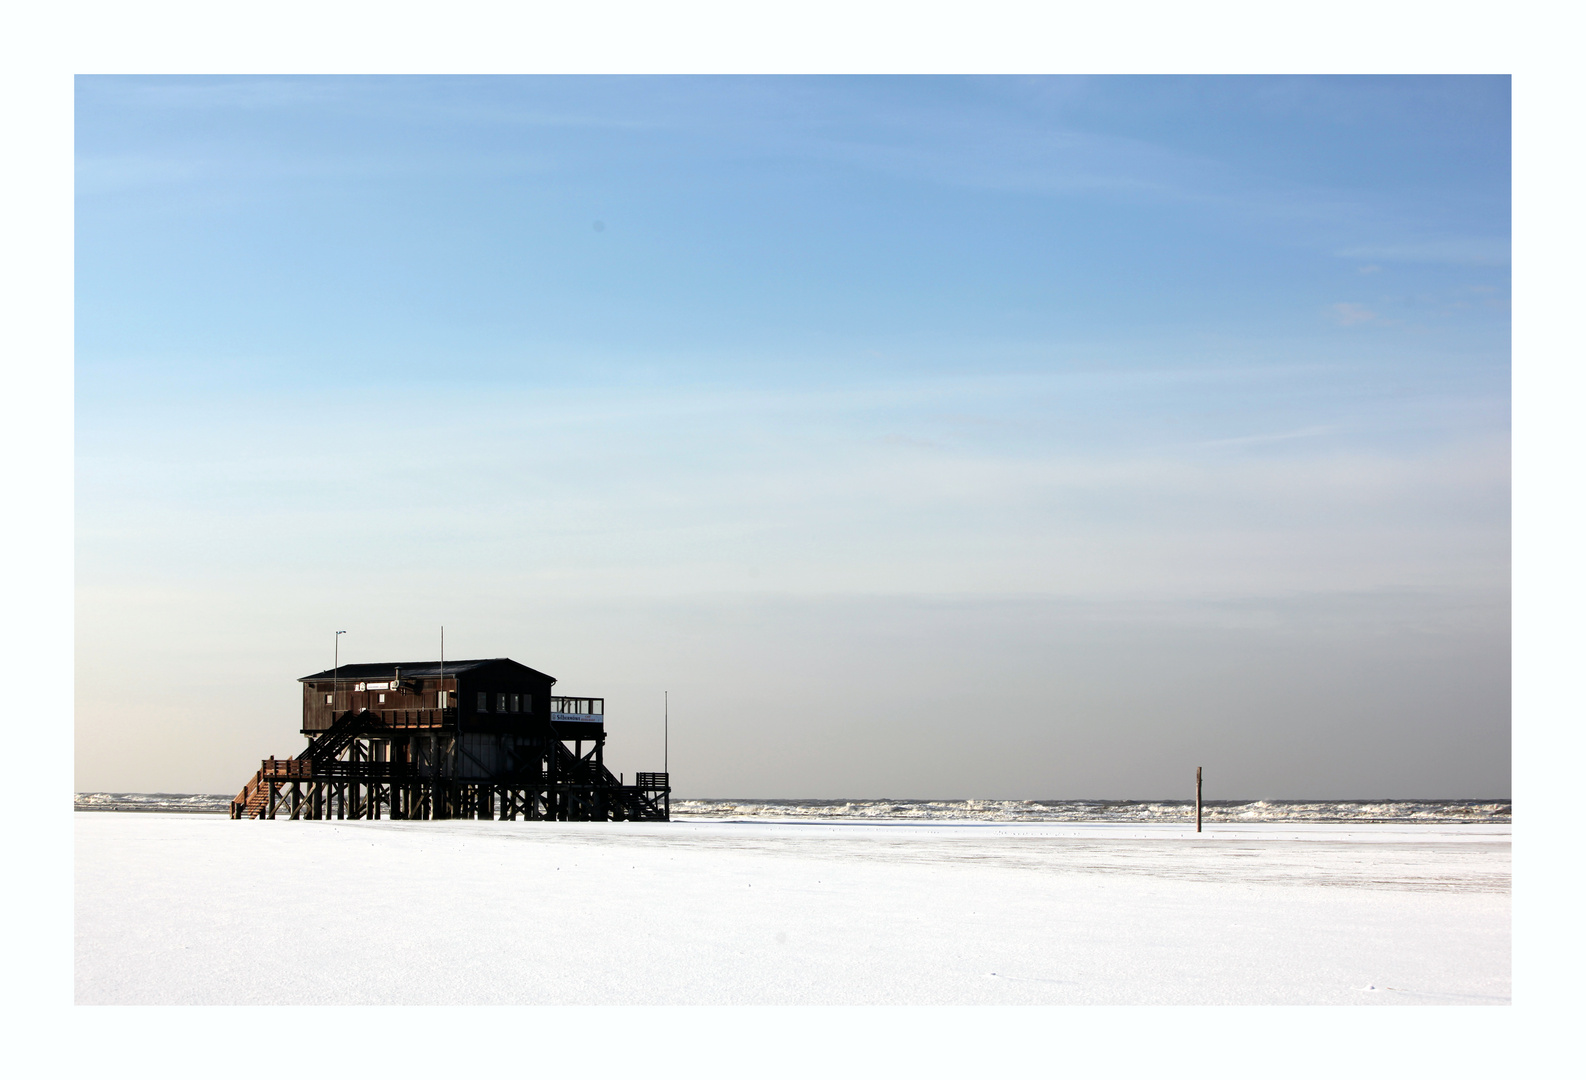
(902, 392)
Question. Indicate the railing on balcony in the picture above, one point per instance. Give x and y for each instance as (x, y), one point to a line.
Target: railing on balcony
(587, 710)
(407, 719)
(286, 769)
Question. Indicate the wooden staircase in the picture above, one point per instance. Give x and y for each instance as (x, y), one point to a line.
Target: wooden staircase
(632, 798)
(329, 744)
(254, 798)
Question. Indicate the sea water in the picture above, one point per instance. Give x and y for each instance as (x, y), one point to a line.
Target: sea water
(1363, 811)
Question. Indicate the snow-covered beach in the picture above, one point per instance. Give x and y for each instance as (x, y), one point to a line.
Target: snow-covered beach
(191, 908)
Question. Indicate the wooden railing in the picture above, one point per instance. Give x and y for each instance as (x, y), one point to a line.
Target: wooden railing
(239, 805)
(367, 770)
(416, 718)
(286, 769)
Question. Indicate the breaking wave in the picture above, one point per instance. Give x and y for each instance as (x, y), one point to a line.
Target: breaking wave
(1397, 811)
(1348, 811)
(160, 801)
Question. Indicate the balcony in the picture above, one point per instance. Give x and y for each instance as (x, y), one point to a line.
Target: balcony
(578, 710)
(418, 718)
(318, 718)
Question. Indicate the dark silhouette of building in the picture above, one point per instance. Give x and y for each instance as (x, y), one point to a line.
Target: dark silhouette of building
(467, 738)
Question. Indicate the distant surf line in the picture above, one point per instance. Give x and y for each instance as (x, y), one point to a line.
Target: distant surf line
(971, 811)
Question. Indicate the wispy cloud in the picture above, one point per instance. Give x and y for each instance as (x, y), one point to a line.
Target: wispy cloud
(1280, 436)
(1354, 314)
(1457, 250)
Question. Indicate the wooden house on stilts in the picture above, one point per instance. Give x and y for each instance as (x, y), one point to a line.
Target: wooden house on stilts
(467, 739)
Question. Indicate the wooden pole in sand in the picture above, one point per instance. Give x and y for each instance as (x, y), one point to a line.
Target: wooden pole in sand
(1197, 798)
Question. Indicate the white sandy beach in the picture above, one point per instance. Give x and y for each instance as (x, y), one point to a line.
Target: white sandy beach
(183, 908)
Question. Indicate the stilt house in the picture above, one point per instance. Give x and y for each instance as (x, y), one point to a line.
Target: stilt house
(467, 738)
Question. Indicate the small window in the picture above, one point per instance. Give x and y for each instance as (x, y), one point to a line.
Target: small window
(329, 699)
(481, 706)
(528, 703)
(515, 702)
(501, 703)
(382, 699)
(440, 699)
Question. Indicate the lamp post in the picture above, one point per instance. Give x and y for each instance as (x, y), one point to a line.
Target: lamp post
(335, 675)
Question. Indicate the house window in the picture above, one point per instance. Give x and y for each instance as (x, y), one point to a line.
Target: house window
(501, 703)
(440, 699)
(329, 699)
(382, 699)
(481, 706)
(515, 703)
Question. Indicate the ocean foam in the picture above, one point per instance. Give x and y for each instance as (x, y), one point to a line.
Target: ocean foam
(1394, 811)
(1385, 811)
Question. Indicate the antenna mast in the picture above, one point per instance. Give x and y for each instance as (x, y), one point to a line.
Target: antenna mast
(335, 675)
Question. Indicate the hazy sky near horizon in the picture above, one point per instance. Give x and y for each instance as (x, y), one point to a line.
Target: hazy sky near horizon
(924, 437)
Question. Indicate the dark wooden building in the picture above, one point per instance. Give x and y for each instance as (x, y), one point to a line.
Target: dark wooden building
(467, 738)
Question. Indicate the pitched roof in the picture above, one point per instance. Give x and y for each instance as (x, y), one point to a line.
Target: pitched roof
(419, 669)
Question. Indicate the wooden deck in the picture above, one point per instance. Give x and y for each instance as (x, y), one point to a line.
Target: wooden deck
(391, 763)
